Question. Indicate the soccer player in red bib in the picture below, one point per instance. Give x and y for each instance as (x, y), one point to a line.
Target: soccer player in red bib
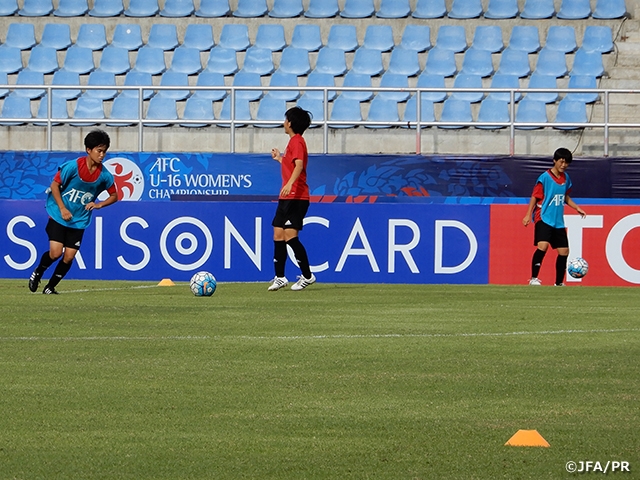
(546, 210)
(293, 202)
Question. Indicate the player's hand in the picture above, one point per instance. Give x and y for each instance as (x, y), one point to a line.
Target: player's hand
(66, 214)
(275, 154)
(526, 220)
(286, 190)
(91, 206)
(581, 212)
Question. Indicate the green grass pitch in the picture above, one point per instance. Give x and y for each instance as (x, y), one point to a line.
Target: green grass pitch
(124, 380)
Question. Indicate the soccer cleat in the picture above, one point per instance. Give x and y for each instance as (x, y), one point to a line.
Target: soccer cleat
(535, 281)
(277, 283)
(34, 281)
(303, 283)
(50, 291)
(559, 285)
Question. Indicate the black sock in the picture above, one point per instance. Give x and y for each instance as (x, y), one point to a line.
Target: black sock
(279, 256)
(561, 267)
(45, 262)
(58, 274)
(536, 262)
(301, 256)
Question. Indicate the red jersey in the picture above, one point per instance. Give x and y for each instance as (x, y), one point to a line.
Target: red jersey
(296, 150)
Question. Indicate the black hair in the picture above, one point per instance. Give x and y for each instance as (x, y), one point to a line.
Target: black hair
(96, 138)
(563, 153)
(299, 119)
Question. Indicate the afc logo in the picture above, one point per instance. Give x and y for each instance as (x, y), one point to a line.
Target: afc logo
(128, 177)
(557, 200)
(78, 196)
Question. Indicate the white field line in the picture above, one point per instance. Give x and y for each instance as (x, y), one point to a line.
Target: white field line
(319, 337)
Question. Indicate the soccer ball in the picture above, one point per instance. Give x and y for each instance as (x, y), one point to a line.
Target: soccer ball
(578, 267)
(203, 284)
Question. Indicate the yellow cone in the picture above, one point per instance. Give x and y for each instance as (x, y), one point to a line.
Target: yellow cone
(527, 438)
(166, 282)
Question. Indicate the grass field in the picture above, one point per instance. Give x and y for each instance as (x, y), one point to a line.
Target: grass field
(122, 380)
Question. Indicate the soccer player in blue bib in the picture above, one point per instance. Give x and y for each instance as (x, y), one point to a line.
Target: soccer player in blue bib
(70, 203)
(546, 210)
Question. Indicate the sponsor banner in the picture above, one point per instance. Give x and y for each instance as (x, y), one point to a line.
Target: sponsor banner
(346, 243)
(607, 238)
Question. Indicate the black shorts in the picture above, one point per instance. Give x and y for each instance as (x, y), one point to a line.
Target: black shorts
(290, 214)
(557, 237)
(67, 236)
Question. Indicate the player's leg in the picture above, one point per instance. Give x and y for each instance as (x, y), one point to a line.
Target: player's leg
(541, 240)
(291, 232)
(279, 248)
(72, 241)
(55, 232)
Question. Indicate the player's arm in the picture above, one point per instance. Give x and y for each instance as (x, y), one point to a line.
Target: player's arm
(57, 196)
(532, 204)
(569, 201)
(113, 198)
(297, 170)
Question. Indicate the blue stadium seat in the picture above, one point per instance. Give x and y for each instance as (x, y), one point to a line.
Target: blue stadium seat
(394, 80)
(493, 110)
(213, 8)
(465, 9)
(29, 77)
(199, 36)
(163, 36)
(15, 106)
(142, 8)
(79, 60)
(570, 111)
(150, 60)
(295, 60)
(609, 9)
(455, 110)
(100, 78)
(174, 79)
(3, 81)
(177, 8)
(43, 59)
(551, 62)
(582, 81)
(21, 36)
(10, 60)
(242, 112)
(88, 108)
(210, 79)
(197, 108)
(367, 61)
(137, 79)
(531, 111)
(115, 60)
(246, 79)
(251, 8)
(62, 77)
(271, 108)
(286, 9)
(416, 37)
(426, 110)
(343, 37)
(307, 37)
(489, 38)
(441, 62)
(587, 63)
(345, 110)
(222, 60)
(505, 81)
(161, 108)
(235, 36)
(322, 9)
(282, 79)
(502, 9)
(186, 60)
(357, 9)
(270, 36)
(56, 35)
(467, 81)
(10, 7)
(316, 79)
(258, 60)
(331, 60)
(58, 109)
(574, 9)
(379, 37)
(477, 62)
(92, 35)
(314, 107)
(546, 82)
(428, 80)
(128, 36)
(429, 9)
(452, 37)
(107, 8)
(561, 38)
(525, 38)
(394, 9)
(382, 109)
(404, 62)
(597, 38)
(514, 62)
(125, 107)
(353, 79)
(71, 8)
(538, 9)
(36, 8)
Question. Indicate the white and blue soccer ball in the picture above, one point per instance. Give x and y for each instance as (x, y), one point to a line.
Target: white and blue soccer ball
(578, 267)
(203, 284)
